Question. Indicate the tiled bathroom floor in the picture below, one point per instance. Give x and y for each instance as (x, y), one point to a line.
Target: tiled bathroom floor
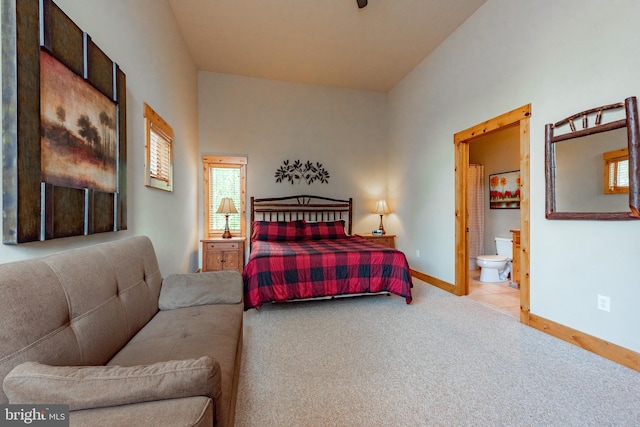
(498, 296)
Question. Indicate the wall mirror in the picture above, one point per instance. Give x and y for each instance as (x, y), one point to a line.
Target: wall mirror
(593, 173)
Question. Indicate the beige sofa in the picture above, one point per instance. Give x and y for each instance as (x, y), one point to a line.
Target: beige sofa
(99, 329)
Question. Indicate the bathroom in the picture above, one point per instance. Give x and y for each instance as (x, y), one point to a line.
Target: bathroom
(497, 152)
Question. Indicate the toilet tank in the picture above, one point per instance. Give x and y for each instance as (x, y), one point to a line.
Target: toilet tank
(504, 246)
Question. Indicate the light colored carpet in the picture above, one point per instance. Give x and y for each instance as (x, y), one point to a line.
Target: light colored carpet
(441, 361)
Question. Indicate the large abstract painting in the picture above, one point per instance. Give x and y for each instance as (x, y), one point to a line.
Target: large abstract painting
(78, 130)
(64, 128)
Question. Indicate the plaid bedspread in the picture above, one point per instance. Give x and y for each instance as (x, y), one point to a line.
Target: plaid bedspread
(282, 271)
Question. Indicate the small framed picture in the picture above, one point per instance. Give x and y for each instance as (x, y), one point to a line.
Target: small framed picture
(504, 190)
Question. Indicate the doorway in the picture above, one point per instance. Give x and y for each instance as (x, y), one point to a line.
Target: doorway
(519, 117)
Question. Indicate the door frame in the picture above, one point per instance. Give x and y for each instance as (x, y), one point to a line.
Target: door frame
(520, 117)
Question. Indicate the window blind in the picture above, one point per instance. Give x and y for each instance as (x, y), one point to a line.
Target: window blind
(622, 179)
(618, 174)
(160, 155)
(224, 182)
(158, 151)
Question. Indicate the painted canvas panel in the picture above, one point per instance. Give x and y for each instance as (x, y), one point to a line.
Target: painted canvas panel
(78, 130)
(504, 190)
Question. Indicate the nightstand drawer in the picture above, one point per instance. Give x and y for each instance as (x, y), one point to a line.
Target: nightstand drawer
(222, 246)
(388, 240)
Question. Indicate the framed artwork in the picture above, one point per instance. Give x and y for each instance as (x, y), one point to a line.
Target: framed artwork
(504, 190)
(64, 128)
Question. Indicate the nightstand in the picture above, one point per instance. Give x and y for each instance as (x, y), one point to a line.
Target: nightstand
(223, 254)
(388, 240)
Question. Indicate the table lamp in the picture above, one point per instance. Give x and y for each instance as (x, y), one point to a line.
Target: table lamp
(226, 207)
(381, 209)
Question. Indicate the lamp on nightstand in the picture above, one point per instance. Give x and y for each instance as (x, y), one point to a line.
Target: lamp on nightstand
(381, 209)
(226, 207)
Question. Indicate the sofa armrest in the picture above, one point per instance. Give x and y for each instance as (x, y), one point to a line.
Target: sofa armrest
(191, 289)
(196, 411)
(85, 387)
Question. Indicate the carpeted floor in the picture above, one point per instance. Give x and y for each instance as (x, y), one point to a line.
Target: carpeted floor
(441, 361)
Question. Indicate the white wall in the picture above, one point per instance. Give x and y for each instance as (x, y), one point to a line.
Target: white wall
(271, 121)
(562, 57)
(143, 38)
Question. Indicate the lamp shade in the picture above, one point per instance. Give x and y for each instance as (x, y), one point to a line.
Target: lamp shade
(381, 207)
(226, 206)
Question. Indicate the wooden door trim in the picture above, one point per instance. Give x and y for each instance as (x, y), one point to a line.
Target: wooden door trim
(520, 117)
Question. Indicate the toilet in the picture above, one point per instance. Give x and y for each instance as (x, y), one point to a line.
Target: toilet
(496, 268)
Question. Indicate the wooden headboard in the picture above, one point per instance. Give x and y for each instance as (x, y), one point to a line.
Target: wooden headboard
(309, 208)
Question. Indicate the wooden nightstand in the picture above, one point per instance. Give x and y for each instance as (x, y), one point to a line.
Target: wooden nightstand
(223, 254)
(388, 240)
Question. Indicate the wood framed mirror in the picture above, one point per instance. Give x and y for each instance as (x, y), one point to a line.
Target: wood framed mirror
(593, 173)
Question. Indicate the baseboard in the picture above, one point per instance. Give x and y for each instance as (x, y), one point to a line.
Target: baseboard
(613, 352)
(433, 281)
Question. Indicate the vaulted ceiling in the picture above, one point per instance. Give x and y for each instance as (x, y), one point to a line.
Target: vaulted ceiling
(325, 42)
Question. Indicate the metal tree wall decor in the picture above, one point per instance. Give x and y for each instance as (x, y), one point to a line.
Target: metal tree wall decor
(297, 171)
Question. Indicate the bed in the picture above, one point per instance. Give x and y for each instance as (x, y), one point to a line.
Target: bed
(301, 247)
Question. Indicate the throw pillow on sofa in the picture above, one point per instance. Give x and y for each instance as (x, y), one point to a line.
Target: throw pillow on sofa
(192, 289)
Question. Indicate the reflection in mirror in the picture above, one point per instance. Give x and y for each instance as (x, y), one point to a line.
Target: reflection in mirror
(594, 172)
(580, 172)
(616, 171)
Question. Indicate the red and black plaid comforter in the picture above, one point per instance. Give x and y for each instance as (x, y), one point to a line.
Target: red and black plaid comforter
(282, 271)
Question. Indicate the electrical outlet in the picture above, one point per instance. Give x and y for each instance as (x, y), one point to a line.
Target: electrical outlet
(604, 303)
(417, 253)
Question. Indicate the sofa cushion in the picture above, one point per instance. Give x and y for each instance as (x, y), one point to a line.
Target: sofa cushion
(188, 290)
(34, 315)
(84, 387)
(190, 332)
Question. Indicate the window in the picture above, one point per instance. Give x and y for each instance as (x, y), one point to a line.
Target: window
(616, 171)
(224, 176)
(159, 151)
